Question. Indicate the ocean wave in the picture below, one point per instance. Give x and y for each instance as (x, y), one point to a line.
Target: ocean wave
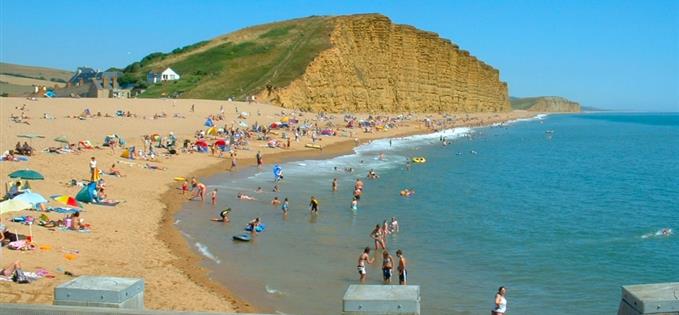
(536, 117)
(383, 145)
(187, 235)
(204, 250)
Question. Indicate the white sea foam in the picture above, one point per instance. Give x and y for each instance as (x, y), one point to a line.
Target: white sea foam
(204, 250)
(273, 291)
(536, 117)
(659, 233)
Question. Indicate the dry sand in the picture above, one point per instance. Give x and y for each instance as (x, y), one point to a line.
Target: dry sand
(137, 238)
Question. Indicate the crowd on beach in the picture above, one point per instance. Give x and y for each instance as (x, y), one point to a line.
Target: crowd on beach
(217, 137)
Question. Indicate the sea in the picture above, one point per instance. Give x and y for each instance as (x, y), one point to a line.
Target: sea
(562, 210)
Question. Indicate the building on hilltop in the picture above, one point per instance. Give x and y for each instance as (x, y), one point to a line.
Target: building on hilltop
(82, 75)
(159, 76)
(88, 82)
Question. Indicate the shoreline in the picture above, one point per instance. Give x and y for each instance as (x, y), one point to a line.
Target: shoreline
(140, 237)
(189, 257)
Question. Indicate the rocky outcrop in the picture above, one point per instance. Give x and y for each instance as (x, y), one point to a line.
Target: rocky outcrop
(546, 104)
(377, 66)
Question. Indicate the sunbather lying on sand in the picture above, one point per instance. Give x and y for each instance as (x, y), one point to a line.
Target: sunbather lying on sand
(8, 270)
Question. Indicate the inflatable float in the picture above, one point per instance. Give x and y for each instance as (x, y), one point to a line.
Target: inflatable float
(243, 237)
(419, 159)
(313, 146)
(259, 228)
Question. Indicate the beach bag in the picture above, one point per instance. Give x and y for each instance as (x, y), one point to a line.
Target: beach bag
(19, 276)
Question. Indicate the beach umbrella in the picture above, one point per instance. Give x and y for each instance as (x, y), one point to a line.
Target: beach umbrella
(220, 142)
(29, 136)
(26, 174)
(14, 205)
(61, 139)
(67, 200)
(31, 197)
(211, 131)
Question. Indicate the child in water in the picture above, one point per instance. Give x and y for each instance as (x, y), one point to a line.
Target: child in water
(213, 196)
(285, 206)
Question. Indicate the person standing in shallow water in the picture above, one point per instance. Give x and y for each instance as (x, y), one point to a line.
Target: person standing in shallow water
(313, 204)
(260, 160)
(362, 260)
(334, 184)
(387, 267)
(402, 268)
(500, 302)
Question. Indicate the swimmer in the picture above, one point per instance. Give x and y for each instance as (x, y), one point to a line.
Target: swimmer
(223, 216)
(358, 184)
(276, 188)
(393, 227)
(666, 232)
(259, 190)
(253, 224)
(381, 157)
(334, 184)
(357, 194)
(243, 196)
(275, 201)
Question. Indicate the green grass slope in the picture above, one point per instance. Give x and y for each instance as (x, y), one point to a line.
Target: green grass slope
(238, 64)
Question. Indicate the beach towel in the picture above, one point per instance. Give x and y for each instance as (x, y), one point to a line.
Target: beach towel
(109, 203)
(65, 210)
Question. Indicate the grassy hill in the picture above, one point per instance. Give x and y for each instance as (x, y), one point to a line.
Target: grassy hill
(238, 64)
(17, 80)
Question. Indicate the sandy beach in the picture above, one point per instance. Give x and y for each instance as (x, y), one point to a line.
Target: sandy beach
(137, 238)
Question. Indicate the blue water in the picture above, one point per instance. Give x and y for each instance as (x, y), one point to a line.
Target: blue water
(562, 219)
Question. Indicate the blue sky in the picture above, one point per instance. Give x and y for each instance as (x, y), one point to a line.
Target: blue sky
(609, 54)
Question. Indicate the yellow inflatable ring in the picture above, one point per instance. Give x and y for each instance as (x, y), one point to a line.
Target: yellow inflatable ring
(419, 159)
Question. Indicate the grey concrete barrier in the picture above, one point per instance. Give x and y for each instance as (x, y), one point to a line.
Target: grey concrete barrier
(650, 299)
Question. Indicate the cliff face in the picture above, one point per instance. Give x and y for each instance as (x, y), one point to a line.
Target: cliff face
(376, 66)
(546, 104)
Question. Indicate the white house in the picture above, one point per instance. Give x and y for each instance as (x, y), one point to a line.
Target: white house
(166, 75)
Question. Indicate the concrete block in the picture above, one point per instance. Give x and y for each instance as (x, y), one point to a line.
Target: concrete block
(381, 300)
(114, 292)
(656, 299)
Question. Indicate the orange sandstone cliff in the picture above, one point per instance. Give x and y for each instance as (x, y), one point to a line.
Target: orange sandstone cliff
(376, 66)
